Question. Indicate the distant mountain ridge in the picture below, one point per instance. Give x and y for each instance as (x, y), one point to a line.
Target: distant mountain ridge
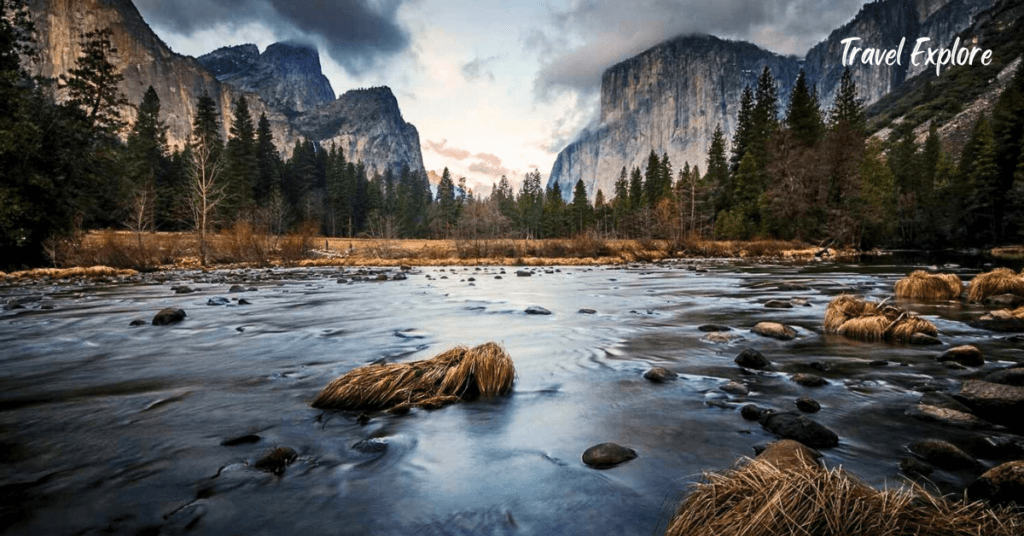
(670, 98)
(284, 82)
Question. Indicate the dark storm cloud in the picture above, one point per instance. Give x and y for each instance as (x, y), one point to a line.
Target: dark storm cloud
(356, 32)
(596, 34)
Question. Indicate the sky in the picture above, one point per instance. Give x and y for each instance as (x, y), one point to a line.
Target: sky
(494, 87)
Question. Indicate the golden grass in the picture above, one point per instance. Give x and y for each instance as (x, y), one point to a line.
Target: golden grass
(457, 374)
(998, 281)
(779, 498)
(67, 273)
(924, 286)
(862, 320)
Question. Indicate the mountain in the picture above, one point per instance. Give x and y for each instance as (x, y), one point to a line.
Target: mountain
(284, 82)
(286, 76)
(670, 98)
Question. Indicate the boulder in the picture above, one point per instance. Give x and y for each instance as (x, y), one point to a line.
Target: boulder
(752, 359)
(967, 355)
(923, 339)
(807, 404)
(735, 388)
(659, 375)
(774, 330)
(537, 310)
(607, 455)
(1006, 301)
(218, 300)
(753, 412)
(1002, 484)
(587, 311)
(790, 425)
(137, 323)
(371, 446)
(993, 401)
(942, 400)
(943, 454)
(523, 273)
(1001, 320)
(948, 416)
(236, 288)
(170, 315)
(809, 380)
(1008, 376)
(778, 304)
(720, 337)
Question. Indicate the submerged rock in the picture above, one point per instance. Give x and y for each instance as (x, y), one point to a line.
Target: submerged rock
(774, 330)
(942, 454)
(809, 380)
(752, 359)
(240, 440)
(994, 401)
(713, 328)
(587, 311)
(371, 446)
(137, 322)
(778, 304)
(537, 310)
(922, 339)
(735, 388)
(753, 412)
(607, 455)
(952, 417)
(170, 315)
(966, 355)
(660, 375)
(1002, 484)
(807, 404)
(790, 425)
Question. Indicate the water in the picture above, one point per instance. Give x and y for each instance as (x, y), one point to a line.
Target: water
(106, 428)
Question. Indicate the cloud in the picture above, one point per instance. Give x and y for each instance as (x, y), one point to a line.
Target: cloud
(596, 34)
(478, 69)
(449, 152)
(356, 33)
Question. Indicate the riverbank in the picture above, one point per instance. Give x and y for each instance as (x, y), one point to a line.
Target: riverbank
(239, 248)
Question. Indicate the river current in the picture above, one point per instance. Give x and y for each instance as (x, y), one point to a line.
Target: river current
(107, 428)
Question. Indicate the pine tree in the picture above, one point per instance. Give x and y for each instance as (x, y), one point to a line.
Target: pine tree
(206, 129)
(636, 190)
(146, 150)
(92, 84)
(581, 210)
(554, 212)
(803, 117)
(652, 181)
(980, 172)
(242, 167)
(847, 109)
(446, 204)
(718, 172)
(764, 117)
(268, 164)
(744, 134)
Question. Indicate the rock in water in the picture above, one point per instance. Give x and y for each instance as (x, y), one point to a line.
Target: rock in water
(1009, 376)
(524, 273)
(809, 380)
(587, 311)
(537, 310)
(996, 402)
(923, 339)
(169, 316)
(218, 300)
(607, 455)
(752, 359)
(808, 405)
(778, 304)
(967, 355)
(713, 328)
(774, 330)
(735, 388)
(789, 425)
(943, 454)
(1003, 484)
(753, 412)
(948, 416)
(659, 375)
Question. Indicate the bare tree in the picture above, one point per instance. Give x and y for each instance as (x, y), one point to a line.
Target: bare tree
(140, 210)
(206, 192)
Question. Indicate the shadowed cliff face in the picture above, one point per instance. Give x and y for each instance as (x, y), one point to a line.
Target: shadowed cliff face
(284, 82)
(287, 76)
(670, 98)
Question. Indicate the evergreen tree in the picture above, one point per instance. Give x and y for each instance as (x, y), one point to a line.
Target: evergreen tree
(803, 117)
(206, 129)
(531, 205)
(92, 84)
(980, 173)
(764, 117)
(268, 164)
(847, 109)
(652, 181)
(903, 162)
(446, 203)
(581, 209)
(147, 162)
(744, 134)
(554, 212)
(636, 190)
(620, 204)
(242, 167)
(718, 172)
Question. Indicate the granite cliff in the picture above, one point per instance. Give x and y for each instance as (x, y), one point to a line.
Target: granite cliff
(671, 97)
(284, 82)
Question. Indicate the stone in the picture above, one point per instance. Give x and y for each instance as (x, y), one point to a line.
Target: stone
(218, 300)
(752, 359)
(807, 404)
(943, 400)
(342, 281)
(774, 330)
(778, 304)
(241, 440)
(537, 310)
(718, 337)
(236, 288)
(371, 446)
(400, 276)
(735, 388)
(606, 455)
(660, 375)
(996, 402)
(809, 380)
(1000, 320)
(1006, 301)
(587, 311)
(943, 454)
(381, 277)
(1007, 376)
(137, 323)
(790, 425)
(170, 315)
(923, 339)
(277, 460)
(523, 273)
(915, 467)
(1001, 485)
(713, 328)
(182, 290)
(244, 301)
(952, 417)
(753, 412)
(967, 355)
(878, 363)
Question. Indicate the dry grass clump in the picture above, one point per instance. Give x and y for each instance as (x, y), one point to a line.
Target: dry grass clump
(862, 320)
(780, 499)
(67, 273)
(998, 281)
(458, 374)
(924, 286)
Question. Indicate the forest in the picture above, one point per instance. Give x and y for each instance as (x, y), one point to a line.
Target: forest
(72, 163)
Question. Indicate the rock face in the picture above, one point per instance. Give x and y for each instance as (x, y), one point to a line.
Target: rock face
(670, 98)
(284, 82)
(286, 76)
